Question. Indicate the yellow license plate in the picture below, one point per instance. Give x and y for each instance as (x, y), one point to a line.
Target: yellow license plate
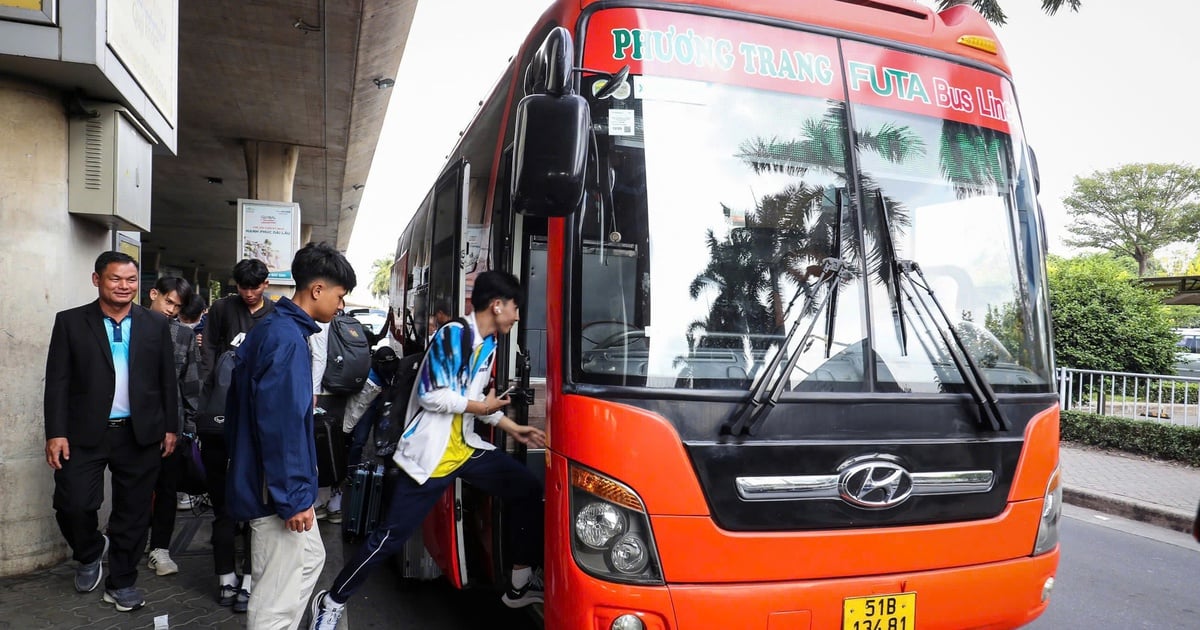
(880, 612)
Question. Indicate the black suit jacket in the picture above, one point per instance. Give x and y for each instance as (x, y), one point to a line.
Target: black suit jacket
(80, 378)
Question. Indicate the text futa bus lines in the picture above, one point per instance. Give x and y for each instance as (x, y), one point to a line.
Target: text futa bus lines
(787, 325)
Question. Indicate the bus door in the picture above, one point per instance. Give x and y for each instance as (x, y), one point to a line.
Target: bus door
(443, 529)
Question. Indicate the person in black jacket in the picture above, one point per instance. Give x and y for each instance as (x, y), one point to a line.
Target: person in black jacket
(167, 298)
(235, 315)
(229, 320)
(111, 402)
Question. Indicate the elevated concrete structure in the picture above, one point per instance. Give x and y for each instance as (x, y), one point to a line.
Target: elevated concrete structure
(297, 74)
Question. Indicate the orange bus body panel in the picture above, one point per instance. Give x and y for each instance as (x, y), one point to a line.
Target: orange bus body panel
(633, 446)
(1039, 457)
(1001, 595)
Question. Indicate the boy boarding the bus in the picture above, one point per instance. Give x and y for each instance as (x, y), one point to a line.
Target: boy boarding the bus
(439, 445)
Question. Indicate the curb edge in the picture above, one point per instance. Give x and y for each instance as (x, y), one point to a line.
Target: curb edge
(1133, 509)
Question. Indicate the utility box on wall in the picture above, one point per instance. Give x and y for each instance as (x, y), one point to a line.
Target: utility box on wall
(109, 169)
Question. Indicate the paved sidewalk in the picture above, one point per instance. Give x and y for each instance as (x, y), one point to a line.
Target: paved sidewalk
(47, 599)
(1131, 486)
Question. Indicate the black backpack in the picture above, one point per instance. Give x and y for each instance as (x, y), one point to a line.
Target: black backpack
(394, 400)
(211, 416)
(348, 356)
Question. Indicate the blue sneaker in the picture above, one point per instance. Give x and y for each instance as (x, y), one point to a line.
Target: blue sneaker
(242, 602)
(125, 599)
(227, 595)
(87, 576)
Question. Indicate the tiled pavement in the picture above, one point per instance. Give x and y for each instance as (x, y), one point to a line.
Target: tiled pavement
(47, 599)
(1139, 488)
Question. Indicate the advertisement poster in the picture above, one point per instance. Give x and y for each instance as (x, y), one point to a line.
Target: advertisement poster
(270, 232)
(130, 243)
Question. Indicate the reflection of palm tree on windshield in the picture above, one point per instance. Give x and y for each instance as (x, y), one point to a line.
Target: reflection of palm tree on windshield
(789, 233)
(748, 266)
(973, 159)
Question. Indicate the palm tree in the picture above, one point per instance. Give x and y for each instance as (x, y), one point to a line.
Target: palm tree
(381, 276)
(991, 11)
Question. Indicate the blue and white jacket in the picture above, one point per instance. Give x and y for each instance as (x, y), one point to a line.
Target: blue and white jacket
(442, 391)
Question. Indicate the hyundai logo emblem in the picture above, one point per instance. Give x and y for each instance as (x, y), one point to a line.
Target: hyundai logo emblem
(874, 483)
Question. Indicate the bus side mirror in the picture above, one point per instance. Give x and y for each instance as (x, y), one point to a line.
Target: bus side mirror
(552, 132)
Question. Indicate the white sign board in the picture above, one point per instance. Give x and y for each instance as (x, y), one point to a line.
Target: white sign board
(144, 34)
(270, 232)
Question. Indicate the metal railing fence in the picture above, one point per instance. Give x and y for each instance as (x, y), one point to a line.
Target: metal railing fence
(1167, 399)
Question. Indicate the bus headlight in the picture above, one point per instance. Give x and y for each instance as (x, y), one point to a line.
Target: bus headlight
(1047, 535)
(612, 538)
(598, 523)
(629, 555)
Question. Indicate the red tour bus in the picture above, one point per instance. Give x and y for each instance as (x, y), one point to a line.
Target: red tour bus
(787, 324)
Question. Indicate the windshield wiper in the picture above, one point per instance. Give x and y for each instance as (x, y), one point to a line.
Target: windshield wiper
(763, 397)
(977, 383)
(893, 281)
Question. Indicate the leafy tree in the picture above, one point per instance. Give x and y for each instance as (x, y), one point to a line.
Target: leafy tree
(381, 275)
(1105, 321)
(1136, 209)
(1183, 315)
(991, 11)
(1193, 266)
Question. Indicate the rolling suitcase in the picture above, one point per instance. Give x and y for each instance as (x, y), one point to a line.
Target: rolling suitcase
(331, 449)
(361, 506)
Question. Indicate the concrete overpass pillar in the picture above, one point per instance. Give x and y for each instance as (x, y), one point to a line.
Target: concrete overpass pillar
(271, 169)
(47, 257)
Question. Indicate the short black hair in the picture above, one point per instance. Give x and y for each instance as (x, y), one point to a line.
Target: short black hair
(320, 261)
(192, 309)
(493, 284)
(250, 273)
(181, 287)
(107, 258)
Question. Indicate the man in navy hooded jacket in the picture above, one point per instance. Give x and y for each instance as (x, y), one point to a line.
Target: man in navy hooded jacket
(272, 479)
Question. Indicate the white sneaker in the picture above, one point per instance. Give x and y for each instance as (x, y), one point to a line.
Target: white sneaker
(183, 501)
(161, 563)
(324, 616)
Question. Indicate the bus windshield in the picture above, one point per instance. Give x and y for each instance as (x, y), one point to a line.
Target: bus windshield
(722, 213)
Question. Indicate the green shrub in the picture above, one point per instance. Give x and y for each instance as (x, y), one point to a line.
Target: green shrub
(1104, 321)
(1153, 439)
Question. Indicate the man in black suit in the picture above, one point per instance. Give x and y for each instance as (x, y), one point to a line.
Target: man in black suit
(111, 401)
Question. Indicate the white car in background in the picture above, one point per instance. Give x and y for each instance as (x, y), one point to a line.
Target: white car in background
(1188, 361)
(373, 319)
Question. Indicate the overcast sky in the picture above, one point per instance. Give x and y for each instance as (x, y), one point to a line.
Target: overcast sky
(1107, 86)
